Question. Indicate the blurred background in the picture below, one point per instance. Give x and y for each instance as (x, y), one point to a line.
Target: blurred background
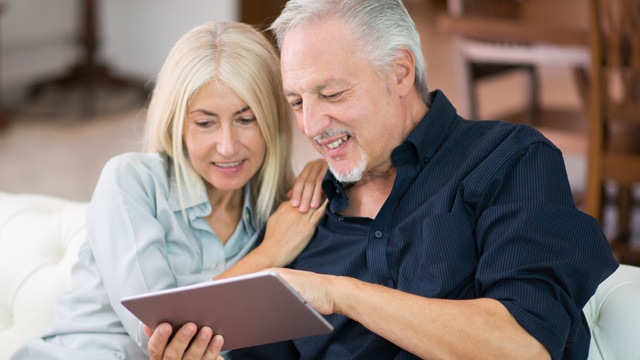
(75, 76)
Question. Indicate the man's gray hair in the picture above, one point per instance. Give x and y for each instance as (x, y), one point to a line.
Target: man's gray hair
(382, 27)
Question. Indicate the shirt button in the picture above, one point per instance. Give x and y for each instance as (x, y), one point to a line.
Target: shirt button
(378, 234)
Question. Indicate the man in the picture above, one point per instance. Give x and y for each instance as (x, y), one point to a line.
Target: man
(443, 238)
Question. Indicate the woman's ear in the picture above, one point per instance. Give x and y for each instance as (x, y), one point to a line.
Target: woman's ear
(404, 71)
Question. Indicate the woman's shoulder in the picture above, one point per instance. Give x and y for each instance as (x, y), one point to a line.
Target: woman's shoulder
(136, 162)
(136, 167)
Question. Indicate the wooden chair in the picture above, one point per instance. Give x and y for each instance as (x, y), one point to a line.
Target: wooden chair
(614, 125)
(495, 36)
(492, 36)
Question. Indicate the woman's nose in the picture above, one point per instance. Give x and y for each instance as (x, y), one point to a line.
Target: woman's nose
(227, 141)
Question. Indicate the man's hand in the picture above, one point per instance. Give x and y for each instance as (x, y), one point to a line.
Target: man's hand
(205, 346)
(315, 288)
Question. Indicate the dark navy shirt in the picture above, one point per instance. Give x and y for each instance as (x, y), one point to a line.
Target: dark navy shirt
(478, 209)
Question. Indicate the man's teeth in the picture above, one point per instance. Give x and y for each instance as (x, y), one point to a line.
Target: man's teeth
(228, 165)
(338, 142)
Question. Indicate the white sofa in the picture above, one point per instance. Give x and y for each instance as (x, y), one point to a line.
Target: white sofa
(40, 235)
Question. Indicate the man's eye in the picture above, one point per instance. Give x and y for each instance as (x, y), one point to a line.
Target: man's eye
(333, 96)
(296, 104)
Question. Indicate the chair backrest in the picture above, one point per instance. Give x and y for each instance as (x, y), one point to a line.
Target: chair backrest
(506, 9)
(533, 13)
(614, 129)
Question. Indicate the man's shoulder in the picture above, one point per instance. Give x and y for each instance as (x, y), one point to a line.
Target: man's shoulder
(503, 131)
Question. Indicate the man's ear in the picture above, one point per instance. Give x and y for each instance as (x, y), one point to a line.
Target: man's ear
(404, 71)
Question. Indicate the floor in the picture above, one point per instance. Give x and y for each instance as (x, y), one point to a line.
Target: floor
(52, 147)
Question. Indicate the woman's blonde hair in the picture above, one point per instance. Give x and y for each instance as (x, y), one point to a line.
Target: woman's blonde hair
(239, 56)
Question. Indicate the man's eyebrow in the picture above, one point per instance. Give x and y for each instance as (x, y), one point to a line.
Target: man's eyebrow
(321, 87)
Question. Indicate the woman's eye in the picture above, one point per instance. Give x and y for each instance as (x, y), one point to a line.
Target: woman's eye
(204, 123)
(247, 120)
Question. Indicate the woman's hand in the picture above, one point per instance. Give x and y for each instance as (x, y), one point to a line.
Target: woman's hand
(291, 226)
(288, 233)
(307, 189)
(289, 230)
(187, 343)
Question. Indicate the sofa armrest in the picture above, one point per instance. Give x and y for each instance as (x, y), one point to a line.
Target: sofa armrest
(613, 314)
(39, 240)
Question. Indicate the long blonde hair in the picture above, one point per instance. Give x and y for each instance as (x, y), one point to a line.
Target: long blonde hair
(243, 59)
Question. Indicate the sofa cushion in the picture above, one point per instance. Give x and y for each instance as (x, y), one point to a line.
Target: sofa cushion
(613, 314)
(39, 240)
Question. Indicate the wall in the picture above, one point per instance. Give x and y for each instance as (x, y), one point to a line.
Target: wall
(36, 41)
(38, 38)
(139, 33)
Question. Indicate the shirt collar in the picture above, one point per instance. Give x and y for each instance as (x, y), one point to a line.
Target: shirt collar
(430, 133)
(420, 146)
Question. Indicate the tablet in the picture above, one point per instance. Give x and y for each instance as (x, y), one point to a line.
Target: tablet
(248, 310)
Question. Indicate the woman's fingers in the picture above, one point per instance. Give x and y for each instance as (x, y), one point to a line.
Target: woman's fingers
(307, 189)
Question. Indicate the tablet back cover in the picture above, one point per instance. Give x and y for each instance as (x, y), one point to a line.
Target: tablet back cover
(247, 310)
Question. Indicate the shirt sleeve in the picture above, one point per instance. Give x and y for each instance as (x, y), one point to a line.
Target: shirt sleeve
(540, 256)
(126, 237)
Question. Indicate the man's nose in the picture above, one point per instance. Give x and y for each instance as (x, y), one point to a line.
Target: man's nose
(313, 119)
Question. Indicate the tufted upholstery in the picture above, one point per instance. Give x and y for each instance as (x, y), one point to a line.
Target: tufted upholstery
(613, 314)
(39, 239)
(40, 235)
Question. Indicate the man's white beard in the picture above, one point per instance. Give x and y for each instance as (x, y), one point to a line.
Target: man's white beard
(352, 175)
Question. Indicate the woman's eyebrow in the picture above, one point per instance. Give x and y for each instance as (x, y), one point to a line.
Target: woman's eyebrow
(210, 113)
(245, 108)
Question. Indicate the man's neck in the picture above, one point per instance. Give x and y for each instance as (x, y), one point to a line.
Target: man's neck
(367, 196)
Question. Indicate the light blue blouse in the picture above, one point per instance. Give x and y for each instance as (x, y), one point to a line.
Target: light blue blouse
(138, 240)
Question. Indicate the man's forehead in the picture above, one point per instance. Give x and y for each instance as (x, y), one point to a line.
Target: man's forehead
(332, 82)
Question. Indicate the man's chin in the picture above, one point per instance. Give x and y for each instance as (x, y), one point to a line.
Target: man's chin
(345, 173)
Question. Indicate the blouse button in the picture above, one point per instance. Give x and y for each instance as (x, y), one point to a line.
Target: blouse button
(378, 234)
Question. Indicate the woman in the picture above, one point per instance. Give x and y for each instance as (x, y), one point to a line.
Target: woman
(191, 207)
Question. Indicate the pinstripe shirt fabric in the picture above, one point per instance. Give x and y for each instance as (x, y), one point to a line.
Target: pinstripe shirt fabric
(478, 209)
